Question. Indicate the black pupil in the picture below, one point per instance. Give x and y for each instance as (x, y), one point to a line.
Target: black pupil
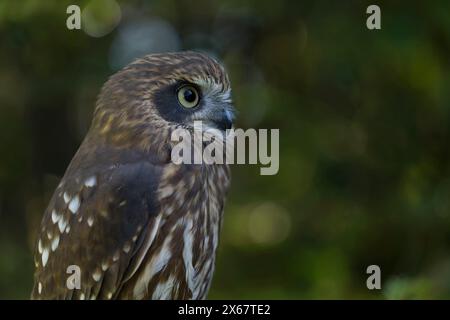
(189, 95)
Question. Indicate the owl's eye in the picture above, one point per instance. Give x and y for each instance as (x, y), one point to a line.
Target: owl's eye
(188, 96)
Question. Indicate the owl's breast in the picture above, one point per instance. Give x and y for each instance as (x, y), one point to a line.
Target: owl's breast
(179, 263)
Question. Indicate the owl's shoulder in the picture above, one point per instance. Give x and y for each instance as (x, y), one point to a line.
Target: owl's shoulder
(97, 219)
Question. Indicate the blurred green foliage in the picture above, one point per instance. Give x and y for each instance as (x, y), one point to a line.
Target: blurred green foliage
(364, 119)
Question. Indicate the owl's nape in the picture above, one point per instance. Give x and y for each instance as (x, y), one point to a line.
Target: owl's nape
(134, 224)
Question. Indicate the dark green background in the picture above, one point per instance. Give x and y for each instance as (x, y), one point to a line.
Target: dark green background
(364, 137)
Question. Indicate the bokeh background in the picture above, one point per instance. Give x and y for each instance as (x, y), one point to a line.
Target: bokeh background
(364, 134)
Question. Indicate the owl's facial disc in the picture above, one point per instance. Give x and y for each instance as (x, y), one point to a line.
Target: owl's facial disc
(185, 102)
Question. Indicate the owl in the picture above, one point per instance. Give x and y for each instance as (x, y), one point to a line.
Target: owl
(126, 222)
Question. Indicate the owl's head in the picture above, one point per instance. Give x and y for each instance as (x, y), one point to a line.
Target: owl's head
(160, 92)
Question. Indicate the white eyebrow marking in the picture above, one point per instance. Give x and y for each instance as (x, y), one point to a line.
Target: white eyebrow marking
(209, 84)
(74, 204)
(90, 221)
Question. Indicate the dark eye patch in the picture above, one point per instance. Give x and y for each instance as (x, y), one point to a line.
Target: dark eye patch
(166, 102)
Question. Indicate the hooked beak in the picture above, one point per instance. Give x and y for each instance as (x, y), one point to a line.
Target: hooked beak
(220, 119)
(225, 122)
